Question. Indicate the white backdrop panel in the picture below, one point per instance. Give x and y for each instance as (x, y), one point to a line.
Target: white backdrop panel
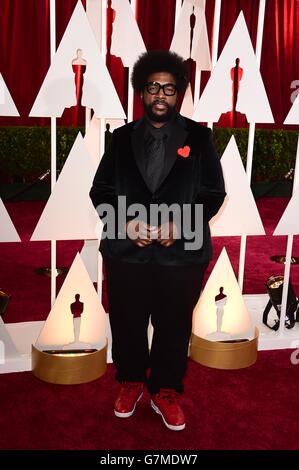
(236, 318)
(126, 41)
(58, 328)
(7, 106)
(58, 90)
(289, 222)
(8, 232)
(293, 116)
(187, 108)
(199, 50)
(8, 349)
(239, 214)
(69, 213)
(115, 123)
(92, 139)
(217, 95)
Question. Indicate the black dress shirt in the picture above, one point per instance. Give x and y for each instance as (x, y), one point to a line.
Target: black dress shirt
(155, 139)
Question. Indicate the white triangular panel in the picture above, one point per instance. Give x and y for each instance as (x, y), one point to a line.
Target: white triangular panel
(8, 232)
(126, 41)
(58, 90)
(92, 139)
(94, 15)
(236, 318)
(199, 3)
(181, 41)
(7, 106)
(69, 213)
(187, 108)
(293, 116)
(89, 255)
(239, 214)
(289, 222)
(115, 123)
(8, 349)
(200, 52)
(217, 95)
(58, 329)
(89, 252)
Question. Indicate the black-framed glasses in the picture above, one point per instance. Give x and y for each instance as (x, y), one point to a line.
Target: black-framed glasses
(153, 88)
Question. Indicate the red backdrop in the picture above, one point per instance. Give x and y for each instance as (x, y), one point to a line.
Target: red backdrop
(25, 56)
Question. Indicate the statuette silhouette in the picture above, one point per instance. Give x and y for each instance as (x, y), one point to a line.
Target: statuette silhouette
(79, 68)
(220, 302)
(77, 309)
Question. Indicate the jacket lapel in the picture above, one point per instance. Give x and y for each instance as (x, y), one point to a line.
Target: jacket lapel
(137, 140)
(176, 140)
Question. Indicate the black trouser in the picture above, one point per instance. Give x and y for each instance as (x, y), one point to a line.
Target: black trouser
(166, 293)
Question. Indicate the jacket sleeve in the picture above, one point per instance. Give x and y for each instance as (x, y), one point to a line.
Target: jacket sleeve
(103, 191)
(103, 186)
(211, 186)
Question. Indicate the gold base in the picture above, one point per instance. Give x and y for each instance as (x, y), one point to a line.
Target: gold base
(224, 355)
(68, 369)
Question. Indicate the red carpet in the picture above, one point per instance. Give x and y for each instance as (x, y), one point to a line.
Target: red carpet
(254, 408)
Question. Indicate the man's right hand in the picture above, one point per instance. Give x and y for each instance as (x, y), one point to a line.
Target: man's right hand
(140, 233)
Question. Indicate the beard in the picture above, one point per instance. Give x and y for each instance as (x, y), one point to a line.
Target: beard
(152, 116)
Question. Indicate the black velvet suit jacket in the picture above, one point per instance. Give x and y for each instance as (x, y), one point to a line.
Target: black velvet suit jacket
(195, 179)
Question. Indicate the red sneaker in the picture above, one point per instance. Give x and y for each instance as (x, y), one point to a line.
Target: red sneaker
(125, 404)
(165, 404)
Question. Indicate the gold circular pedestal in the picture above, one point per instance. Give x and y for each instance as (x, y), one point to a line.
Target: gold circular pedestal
(68, 369)
(221, 355)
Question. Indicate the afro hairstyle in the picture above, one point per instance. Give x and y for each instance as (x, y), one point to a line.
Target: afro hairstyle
(159, 61)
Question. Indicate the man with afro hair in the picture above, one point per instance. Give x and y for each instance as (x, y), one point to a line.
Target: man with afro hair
(161, 164)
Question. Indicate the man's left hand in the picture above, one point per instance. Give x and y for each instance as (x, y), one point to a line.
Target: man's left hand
(167, 234)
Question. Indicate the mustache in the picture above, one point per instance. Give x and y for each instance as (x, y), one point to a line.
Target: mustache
(157, 101)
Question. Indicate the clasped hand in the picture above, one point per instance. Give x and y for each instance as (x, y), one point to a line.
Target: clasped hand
(143, 234)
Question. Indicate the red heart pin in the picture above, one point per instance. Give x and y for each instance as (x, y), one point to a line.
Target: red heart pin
(184, 152)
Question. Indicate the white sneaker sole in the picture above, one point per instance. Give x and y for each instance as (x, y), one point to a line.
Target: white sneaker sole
(179, 427)
(130, 413)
